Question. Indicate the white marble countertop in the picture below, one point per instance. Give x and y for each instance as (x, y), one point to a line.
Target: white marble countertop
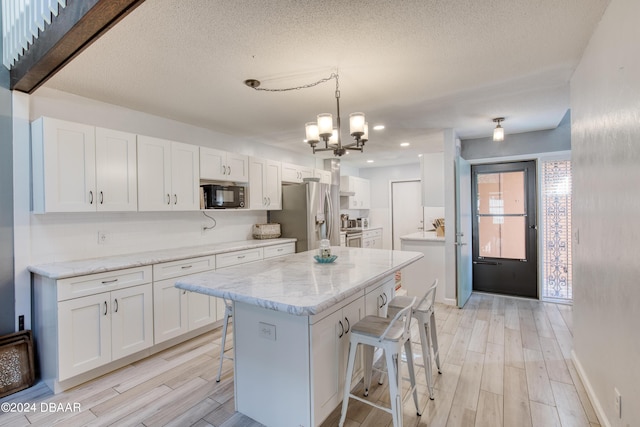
(429, 236)
(61, 270)
(297, 284)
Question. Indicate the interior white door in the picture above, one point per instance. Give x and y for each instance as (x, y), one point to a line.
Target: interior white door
(464, 277)
(406, 209)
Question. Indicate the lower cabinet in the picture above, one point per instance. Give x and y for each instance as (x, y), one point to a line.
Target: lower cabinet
(372, 239)
(96, 329)
(330, 350)
(177, 311)
(378, 296)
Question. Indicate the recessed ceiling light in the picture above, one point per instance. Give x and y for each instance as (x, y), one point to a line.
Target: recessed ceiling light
(378, 127)
(369, 161)
(404, 144)
(419, 155)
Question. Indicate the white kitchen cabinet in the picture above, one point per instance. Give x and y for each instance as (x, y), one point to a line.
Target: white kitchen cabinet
(330, 351)
(279, 250)
(432, 170)
(294, 174)
(372, 238)
(168, 175)
(177, 312)
(325, 176)
(378, 296)
(265, 184)
(361, 189)
(218, 165)
(81, 168)
(95, 329)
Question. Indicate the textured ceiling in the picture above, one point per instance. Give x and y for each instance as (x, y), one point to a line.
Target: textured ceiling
(417, 66)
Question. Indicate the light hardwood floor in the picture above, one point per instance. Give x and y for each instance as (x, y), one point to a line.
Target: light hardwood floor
(506, 362)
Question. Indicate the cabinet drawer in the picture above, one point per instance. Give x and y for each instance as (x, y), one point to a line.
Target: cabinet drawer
(168, 270)
(371, 234)
(238, 257)
(90, 284)
(278, 250)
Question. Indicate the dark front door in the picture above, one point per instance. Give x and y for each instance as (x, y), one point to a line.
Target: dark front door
(504, 229)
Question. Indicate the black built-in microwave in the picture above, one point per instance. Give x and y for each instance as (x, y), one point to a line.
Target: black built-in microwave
(223, 196)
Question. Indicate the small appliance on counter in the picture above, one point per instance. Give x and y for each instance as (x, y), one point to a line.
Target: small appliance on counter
(363, 222)
(344, 221)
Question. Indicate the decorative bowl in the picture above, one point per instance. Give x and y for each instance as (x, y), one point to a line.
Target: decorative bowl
(325, 260)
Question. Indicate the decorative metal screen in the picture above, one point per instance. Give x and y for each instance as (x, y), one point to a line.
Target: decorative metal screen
(556, 217)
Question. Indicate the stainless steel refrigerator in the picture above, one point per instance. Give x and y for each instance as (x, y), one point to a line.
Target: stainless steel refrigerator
(309, 213)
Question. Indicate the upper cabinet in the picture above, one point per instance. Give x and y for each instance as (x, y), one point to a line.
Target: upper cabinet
(293, 174)
(360, 187)
(432, 165)
(81, 168)
(218, 165)
(168, 175)
(265, 184)
(325, 176)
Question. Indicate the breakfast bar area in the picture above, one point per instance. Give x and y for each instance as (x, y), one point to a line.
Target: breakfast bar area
(292, 317)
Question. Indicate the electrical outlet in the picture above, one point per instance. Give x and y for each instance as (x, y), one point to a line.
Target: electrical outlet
(266, 330)
(617, 402)
(103, 237)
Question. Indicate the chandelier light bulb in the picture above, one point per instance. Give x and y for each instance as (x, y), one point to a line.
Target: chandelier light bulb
(333, 139)
(311, 130)
(356, 124)
(325, 125)
(365, 135)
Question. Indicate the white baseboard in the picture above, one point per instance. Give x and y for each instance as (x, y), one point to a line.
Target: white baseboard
(597, 406)
(450, 301)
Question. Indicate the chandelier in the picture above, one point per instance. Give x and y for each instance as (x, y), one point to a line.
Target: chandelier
(324, 129)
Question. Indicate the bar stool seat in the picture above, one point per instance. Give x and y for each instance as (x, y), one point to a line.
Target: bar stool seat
(228, 313)
(390, 335)
(424, 314)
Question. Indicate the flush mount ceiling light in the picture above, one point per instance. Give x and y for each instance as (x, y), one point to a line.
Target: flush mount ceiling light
(498, 132)
(323, 129)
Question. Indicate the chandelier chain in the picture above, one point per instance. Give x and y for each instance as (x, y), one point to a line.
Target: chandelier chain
(306, 86)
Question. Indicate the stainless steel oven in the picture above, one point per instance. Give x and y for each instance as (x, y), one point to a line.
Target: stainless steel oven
(354, 239)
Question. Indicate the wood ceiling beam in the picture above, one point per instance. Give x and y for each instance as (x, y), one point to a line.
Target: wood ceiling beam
(77, 25)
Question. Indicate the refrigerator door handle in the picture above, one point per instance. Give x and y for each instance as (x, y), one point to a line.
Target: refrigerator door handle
(329, 215)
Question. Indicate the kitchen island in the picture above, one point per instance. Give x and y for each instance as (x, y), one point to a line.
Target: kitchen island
(292, 318)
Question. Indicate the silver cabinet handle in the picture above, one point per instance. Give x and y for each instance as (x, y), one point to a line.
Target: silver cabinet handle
(184, 267)
(101, 198)
(280, 249)
(106, 282)
(381, 301)
(341, 329)
(90, 197)
(348, 325)
(105, 308)
(228, 170)
(175, 199)
(268, 201)
(241, 256)
(168, 198)
(224, 170)
(115, 302)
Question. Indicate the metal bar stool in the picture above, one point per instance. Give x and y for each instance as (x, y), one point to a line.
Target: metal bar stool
(390, 335)
(423, 312)
(228, 313)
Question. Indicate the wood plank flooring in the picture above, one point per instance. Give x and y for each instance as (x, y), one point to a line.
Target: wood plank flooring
(505, 362)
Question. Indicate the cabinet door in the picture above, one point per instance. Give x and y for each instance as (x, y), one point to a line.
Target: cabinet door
(170, 310)
(154, 174)
(325, 176)
(69, 166)
(363, 193)
(273, 185)
(213, 164)
(257, 172)
(326, 339)
(131, 320)
(116, 167)
(351, 314)
(237, 167)
(185, 177)
(291, 173)
(202, 310)
(84, 334)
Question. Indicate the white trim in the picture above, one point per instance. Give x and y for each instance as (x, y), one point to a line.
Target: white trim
(597, 406)
(552, 155)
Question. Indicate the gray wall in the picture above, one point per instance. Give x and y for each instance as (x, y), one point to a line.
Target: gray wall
(7, 297)
(544, 141)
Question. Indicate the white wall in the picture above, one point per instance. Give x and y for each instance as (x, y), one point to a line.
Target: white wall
(60, 237)
(380, 179)
(605, 103)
